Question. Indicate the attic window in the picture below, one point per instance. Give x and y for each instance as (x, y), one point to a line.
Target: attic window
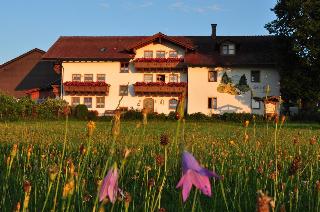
(228, 49)
(103, 49)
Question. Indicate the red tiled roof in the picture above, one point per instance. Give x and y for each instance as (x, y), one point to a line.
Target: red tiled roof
(250, 50)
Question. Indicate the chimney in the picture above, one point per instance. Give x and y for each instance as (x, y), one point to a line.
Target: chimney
(214, 30)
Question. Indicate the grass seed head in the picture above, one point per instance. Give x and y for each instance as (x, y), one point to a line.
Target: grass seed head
(27, 186)
(263, 202)
(164, 139)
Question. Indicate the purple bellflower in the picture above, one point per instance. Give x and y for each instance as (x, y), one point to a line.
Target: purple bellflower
(110, 185)
(194, 174)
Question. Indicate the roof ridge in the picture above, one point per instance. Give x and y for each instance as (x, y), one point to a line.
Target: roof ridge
(21, 56)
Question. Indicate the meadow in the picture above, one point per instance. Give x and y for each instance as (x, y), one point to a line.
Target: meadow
(59, 165)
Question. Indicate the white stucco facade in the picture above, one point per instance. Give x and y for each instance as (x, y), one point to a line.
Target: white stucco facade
(199, 88)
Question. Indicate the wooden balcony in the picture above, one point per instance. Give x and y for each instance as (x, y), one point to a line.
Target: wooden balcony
(86, 88)
(159, 88)
(160, 64)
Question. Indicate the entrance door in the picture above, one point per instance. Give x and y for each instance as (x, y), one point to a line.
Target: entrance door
(148, 104)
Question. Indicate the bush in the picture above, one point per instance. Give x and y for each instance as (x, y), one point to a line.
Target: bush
(51, 108)
(197, 117)
(307, 116)
(132, 115)
(81, 112)
(93, 115)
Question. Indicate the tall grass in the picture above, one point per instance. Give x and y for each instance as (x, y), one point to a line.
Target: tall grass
(149, 174)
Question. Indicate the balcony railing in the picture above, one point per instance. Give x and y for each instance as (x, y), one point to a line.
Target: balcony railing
(160, 88)
(159, 63)
(85, 88)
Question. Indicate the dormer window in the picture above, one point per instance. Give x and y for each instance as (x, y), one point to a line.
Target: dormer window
(228, 49)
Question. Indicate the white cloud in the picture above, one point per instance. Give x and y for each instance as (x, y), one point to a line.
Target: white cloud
(179, 5)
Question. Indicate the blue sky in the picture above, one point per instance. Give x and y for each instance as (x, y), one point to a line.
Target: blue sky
(26, 24)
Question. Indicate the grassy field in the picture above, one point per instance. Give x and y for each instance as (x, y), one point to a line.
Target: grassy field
(246, 158)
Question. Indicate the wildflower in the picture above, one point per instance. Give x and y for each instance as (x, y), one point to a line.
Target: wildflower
(91, 126)
(87, 198)
(295, 165)
(151, 183)
(116, 124)
(160, 160)
(53, 171)
(313, 140)
(246, 123)
(126, 152)
(82, 150)
(27, 186)
(17, 208)
(14, 150)
(127, 199)
(162, 210)
(246, 137)
(283, 119)
(29, 152)
(232, 143)
(144, 112)
(164, 139)
(110, 185)
(68, 188)
(194, 174)
(263, 202)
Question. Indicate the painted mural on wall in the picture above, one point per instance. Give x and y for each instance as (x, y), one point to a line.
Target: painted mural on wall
(226, 85)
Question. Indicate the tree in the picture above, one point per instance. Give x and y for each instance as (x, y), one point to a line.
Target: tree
(243, 85)
(225, 78)
(298, 26)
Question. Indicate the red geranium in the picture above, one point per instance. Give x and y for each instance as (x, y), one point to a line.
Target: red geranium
(94, 84)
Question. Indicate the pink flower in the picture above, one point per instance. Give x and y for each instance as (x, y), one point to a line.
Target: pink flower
(110, 185)
(194, 174)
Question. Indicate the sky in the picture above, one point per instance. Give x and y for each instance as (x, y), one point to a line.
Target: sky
(28, 24)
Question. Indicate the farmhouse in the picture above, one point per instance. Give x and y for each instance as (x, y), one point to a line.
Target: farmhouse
(217, 74)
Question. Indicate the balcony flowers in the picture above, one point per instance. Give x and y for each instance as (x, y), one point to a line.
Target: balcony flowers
(170, 84)
(90, 84)
(159, 60)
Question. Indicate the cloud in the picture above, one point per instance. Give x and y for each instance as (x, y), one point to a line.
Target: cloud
(179, 5)
(138, 5)
(104, 5)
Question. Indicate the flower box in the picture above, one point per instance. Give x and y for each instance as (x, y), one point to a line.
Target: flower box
(83, 88)
(160, 88)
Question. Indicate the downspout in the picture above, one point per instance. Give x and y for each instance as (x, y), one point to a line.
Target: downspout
(61, 82)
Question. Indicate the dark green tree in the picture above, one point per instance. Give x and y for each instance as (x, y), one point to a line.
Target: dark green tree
(298, 28)
(243, 85)
(225, 78)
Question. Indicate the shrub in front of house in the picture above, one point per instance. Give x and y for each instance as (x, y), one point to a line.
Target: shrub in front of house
(51, 109)
(81, 112)
(92, 115)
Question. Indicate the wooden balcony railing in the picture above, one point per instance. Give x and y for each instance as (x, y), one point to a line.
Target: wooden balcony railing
(86, 88)
(159, 88)
(159, 63)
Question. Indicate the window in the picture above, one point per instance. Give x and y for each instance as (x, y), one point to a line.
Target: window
(173, 103)
(161, 54)
(161, 78)
(212, 76)
(88, 77)
(255, 104)
(76, 77)
(148, 78)
(255, 76)
(124, 67)
(173, 78)
(212, 103)
(75, 101)
(100, 102)
(88, 102)
(173, 54)
(148, 54)
(123, 91)
(101, 77)
(228, 49)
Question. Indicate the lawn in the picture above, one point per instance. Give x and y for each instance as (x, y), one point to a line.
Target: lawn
(243, 156)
